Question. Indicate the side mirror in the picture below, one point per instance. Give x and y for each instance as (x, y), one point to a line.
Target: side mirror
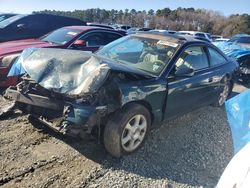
(80, 43)
(186, 72)
(21, 26)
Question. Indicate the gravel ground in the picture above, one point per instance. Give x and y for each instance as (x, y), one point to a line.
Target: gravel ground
(190, 151)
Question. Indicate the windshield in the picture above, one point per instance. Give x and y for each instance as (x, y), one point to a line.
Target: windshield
(2, 18)
(5, 16)
(10, 20)
(150, 54)
(61, 36)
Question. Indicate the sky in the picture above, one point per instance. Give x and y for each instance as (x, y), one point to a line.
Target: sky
(226, 7)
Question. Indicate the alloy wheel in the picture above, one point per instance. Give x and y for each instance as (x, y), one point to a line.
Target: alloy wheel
(134, 133)
(224, 95)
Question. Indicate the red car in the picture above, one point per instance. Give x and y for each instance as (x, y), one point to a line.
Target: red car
(85, 38)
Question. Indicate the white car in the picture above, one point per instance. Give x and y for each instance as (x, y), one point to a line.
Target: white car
(197, 34)
(222, 40)
(237, 172)
(163, 31)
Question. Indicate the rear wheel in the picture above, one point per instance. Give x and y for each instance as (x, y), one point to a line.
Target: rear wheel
(127, 130)
(225, 93)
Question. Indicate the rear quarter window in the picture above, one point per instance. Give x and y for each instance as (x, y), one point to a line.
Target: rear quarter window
(111, 37)
(215, 57)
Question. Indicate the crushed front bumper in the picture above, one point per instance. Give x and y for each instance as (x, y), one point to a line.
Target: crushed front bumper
(32, 99)
(63, 116)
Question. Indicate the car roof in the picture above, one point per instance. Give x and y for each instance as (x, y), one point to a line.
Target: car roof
(85, 28)
(100, 25)
(181, 39)
(7, 14)
(54, 16)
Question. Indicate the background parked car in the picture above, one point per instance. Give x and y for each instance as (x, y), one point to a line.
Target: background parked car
(5, 16)
(132, 30)
(145, 29)
(99, 25)
(107, 27)
(125, 27)
(33, 26)
(163, 31)
(85, 38)
(243, 40)
(219, 38)
(241, 54)
(197, 34)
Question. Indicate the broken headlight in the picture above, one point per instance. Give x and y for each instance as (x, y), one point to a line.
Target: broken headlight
(6, 61)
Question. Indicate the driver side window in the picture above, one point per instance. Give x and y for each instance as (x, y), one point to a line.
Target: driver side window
(94, 39)
(192, 59)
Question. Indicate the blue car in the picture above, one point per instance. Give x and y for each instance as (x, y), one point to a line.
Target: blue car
(23, 26)
(240, 52)
(5, 16)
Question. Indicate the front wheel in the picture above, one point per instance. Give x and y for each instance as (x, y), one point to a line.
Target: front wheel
(127, 130)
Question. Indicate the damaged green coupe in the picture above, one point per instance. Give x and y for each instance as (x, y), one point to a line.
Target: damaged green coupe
(125, 89)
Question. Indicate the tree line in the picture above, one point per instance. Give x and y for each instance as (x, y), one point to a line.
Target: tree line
(178, 19)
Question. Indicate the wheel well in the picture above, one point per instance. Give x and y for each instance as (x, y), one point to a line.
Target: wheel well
(106, 118)
(146, 105)
(226, 77)
(140, 102)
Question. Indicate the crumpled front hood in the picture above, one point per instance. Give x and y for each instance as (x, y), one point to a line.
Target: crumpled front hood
(68, 72)
(64, 71)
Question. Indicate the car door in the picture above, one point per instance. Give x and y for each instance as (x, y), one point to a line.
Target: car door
(188, 82)
(217, 64)
(19, 29)
(39, 25)
(31, 26)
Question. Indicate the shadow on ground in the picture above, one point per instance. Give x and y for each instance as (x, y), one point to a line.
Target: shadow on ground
(193, 149)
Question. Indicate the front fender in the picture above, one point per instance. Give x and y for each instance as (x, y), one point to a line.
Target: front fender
(153, 94)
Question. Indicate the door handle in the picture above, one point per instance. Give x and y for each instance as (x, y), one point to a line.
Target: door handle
(210, 80)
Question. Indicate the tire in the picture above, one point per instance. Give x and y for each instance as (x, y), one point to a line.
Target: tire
(227, 90)
(127, 129)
